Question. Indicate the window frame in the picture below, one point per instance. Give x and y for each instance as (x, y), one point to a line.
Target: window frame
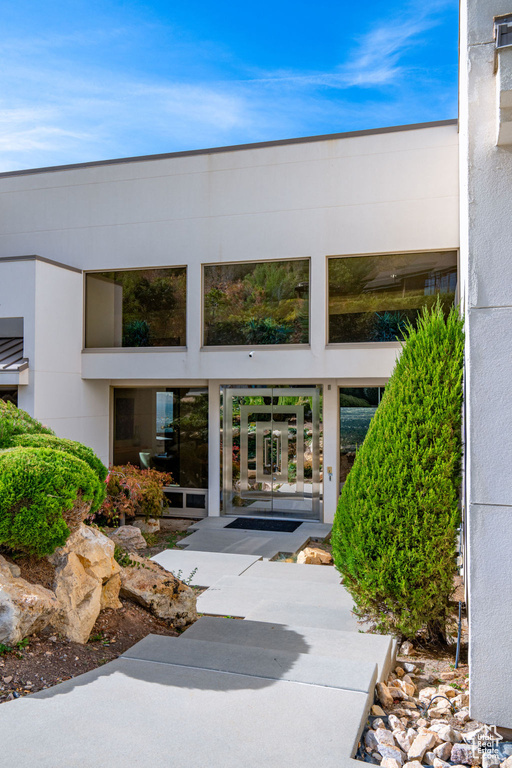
(379, 344)
(117, 350)
(227, 347)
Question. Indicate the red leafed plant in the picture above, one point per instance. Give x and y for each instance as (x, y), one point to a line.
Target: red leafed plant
(133, 491)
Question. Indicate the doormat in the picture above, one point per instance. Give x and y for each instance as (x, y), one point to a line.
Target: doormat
(253, 524)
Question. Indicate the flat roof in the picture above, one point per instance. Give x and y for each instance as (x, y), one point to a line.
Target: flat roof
(233, 148)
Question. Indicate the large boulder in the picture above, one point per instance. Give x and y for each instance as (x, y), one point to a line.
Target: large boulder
(86, 581)
(24, 608)
(314, 556)
(128, 537)
(152, 525)
(79, 597)
(110, 593)
(93, 548)
(159, 591)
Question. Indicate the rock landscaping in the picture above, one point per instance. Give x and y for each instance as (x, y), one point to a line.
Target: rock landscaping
(42, 637)
(128, 537)
(86, 580)
(421, 718)
(314, 556)
(60, 577)
(159, 591)
(24, 608)
(84, 568)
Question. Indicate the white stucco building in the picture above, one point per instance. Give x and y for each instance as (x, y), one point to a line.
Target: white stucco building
(228, 315)
(486, 287)
(152, 287)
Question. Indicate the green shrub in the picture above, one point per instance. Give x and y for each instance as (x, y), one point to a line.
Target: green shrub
(132, 491)
(350, 401)
(40, 491)
(75, 449)
(14, 421)
(394, 533)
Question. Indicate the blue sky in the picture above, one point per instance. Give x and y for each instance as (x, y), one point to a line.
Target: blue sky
(94, 80)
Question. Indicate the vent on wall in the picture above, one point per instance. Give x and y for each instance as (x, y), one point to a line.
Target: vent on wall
(185, 502)
(503, 31)
(503, 72)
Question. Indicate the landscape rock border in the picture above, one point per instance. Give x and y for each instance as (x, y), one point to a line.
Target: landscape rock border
(421, 720)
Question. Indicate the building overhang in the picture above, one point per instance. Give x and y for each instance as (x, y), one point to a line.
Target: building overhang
(13, 366)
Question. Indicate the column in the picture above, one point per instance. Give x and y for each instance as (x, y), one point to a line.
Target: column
(331, 425)
(213, 448)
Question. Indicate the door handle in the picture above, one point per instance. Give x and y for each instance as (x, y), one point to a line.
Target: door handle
(276, 465)
(267, 452)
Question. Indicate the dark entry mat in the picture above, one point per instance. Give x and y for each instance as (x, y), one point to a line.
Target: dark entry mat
(253, 524)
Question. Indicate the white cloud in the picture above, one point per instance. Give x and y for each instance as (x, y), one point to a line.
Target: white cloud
(59, 110)
(375, 57)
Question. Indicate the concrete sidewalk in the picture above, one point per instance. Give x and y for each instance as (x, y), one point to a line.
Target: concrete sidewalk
(287, 689)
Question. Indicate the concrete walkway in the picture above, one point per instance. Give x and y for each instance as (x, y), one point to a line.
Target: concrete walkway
(289, 685)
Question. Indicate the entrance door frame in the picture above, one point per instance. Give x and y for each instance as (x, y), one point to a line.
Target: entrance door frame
(313, 391)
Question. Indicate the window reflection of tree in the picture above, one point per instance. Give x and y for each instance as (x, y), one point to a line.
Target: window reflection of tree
(154, 306)
(262, 303)
(372, 298)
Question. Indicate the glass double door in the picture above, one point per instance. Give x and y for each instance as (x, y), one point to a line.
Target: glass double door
(272, 452)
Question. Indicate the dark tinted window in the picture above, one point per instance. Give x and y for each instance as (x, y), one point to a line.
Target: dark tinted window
(256, 303)
(371, 298)
(136, 308)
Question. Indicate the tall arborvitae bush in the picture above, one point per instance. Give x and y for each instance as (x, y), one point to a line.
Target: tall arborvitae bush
(395, 529)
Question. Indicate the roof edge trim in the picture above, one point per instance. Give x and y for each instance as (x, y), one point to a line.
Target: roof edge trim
(232, 148)
(34, 257)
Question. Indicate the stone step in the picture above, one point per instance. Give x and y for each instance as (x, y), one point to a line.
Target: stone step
(235, 596)
(202, 569)
(272, 664)
(261, 543)
(320, 574)
(305, 614)
(357, 647)
(143, 714)
(314, 530)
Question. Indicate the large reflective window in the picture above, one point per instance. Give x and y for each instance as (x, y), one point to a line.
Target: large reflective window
(371, 298)
(164, 429)
(357, 409)
(136, 308)
(256, 303)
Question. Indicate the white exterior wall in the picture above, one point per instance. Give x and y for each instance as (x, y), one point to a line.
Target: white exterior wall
(394, 191)
(18, 299)
(49, 299)
(486, 203)
(72, 407)
(368, 194)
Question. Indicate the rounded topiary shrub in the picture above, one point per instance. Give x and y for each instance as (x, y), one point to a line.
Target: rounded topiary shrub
(44, 495)
(395, 529)
(75, 449)
(14, 421)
